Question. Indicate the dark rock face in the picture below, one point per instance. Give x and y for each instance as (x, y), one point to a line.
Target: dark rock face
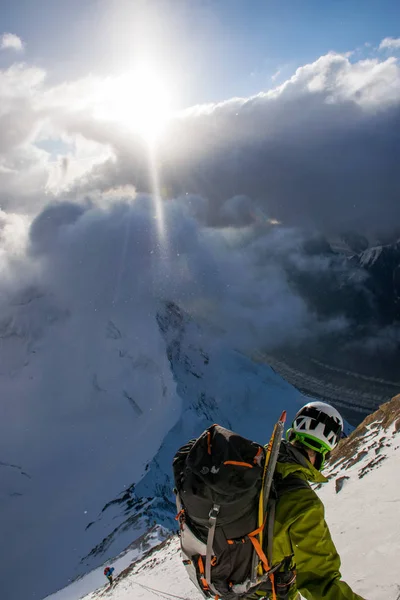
(364, 287)
(357, 367)
(383, 267)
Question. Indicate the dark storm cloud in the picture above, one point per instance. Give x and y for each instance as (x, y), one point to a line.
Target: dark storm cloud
(320, 151)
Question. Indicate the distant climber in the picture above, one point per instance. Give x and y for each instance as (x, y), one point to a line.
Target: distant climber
(108, 572)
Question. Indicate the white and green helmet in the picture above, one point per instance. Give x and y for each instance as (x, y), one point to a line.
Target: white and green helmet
(318, 426)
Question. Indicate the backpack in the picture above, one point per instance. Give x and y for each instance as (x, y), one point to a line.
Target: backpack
(222, 485)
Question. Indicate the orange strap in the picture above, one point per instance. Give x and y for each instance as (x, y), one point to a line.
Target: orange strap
(232, 542)
(180, 517)
(257, 546)
(201, 565)
(204, 583)
(257, 531)
(202, 578)
(238, 464)
(260, 552)
(272, 579)
(249, 535)
(262, 557)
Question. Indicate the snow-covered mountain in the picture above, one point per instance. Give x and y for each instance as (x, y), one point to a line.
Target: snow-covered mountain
(216, 384)
(91, 420)
(361, 510)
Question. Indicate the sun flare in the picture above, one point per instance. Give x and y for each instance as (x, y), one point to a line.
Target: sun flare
(140, 100)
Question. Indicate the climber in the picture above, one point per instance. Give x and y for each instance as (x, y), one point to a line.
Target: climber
(299, 527)
(108, 572)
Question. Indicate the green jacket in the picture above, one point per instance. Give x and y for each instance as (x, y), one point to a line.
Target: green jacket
(300, 529)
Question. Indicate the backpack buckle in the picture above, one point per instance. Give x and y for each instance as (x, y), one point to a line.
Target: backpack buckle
(214, 512)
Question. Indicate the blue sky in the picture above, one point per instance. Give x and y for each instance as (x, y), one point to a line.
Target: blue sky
(210, 49)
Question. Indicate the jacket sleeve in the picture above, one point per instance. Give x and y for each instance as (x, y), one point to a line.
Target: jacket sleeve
(316, 558)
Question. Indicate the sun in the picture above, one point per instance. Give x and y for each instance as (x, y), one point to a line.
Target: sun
(140, 100)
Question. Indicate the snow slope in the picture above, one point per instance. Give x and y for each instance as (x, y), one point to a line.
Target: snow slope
(361, 500)
(134, 552)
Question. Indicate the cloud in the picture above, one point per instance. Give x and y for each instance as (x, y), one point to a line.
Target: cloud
(318, 151)
(39, 157)
(108, 255)
(391, 43)
(10, 41)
